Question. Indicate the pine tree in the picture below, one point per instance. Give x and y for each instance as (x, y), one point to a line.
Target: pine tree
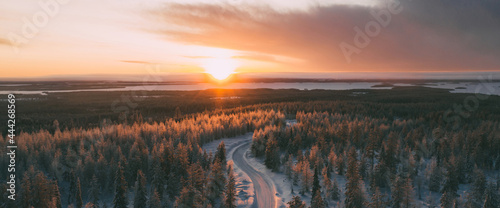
(492, 196)
(296, 203)
(26, 195)
(316, 187)
(186, 198)
(317, 200)
(377, 200)
(120, 200)
(397, 192)
(335, 194)
(447, 200)
(57, 195)
(450, 184)
(158, 181)
(306, 177)
(435, 179)
(220, 154)
(327, 183)
(42, 195)
(230, 194)
(94, 192)
(78, 194)
(154, 200)
(340, 165)
(478, 187)
(354, 193)
(140, 198)
(216, 183)
(408, 194)
(272, 160)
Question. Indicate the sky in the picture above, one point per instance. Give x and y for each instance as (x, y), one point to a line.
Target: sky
(319, 38)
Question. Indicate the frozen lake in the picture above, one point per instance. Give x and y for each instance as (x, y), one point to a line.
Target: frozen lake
(492, 88)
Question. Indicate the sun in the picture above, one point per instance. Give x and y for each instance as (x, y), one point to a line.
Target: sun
(220, 69)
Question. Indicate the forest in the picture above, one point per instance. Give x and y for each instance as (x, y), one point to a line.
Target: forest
(394, 148)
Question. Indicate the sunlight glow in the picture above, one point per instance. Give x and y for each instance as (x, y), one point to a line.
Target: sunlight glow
(220, 68)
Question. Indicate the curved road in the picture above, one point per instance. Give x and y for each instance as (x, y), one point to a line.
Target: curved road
(264, 190)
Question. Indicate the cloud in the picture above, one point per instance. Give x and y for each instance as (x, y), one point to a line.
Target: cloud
(428, 35)
(135, 62)
(5, 42)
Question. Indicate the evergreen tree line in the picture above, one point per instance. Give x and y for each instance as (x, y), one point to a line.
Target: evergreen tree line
(396, 159)
(144, 164)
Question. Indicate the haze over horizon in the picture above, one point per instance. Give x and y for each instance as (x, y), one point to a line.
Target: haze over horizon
(49, 39)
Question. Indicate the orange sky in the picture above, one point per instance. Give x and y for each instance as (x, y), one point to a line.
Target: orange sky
(69, 37)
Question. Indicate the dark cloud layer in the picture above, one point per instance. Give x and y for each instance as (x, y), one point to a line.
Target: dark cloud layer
(428, 35)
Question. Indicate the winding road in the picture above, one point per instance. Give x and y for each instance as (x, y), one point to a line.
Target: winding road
(264, 189)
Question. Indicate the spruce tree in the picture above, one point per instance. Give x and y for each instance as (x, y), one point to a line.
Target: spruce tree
(94, 192)
(120, 200)
(354, 193)
(478, 187)
(316, 187)
(296, 203)
(450, 184)
(377, 200)
(272, 160)
(435, 179)
(78, 194)
(492, 196)
(230, 194)
(447, 200)
(26, 195)
(220, 154)
(57, 195)
(335, 194)
(216, 183)
(317, 200)
(154, 200)
(140, 198)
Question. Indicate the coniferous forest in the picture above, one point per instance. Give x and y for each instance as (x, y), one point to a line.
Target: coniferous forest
(389, 148)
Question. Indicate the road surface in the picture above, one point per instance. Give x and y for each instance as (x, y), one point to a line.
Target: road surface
(264, 190)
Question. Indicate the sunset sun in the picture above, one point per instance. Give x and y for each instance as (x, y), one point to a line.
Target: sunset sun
(220, 68)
